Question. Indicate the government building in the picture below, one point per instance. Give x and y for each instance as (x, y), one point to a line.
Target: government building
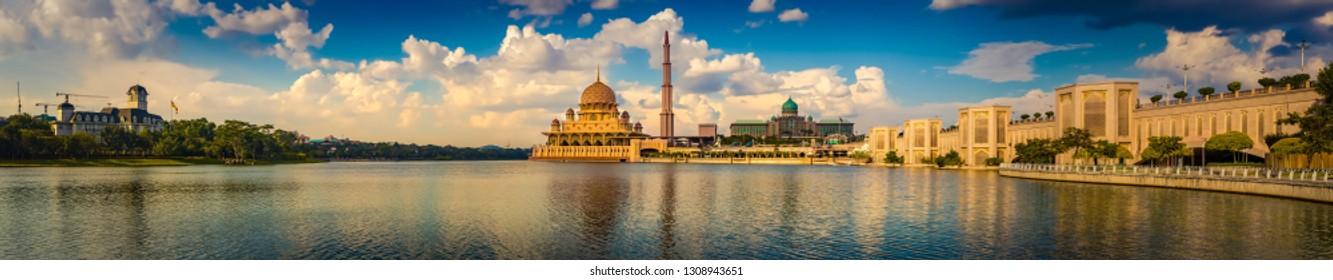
(1110, 111)
(133, 118)
(790, 124)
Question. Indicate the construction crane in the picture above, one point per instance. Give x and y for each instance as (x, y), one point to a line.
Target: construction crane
(45, 106)
(67, 95)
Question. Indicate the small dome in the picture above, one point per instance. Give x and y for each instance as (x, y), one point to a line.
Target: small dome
(555, 121)
(569, 111)
(789, 105)
(136, 89)
(598, 93)
(638, 125)
(66, 106)
(624, 115)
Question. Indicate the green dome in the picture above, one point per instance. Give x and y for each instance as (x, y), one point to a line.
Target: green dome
(789, 105)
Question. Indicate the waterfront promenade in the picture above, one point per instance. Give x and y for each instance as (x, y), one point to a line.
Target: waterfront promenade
(1305, 184)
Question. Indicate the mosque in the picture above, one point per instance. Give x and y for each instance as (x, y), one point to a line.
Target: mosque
(599, 132)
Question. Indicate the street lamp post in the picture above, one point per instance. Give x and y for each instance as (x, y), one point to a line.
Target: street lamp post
(1303, 46)
(1186, 69)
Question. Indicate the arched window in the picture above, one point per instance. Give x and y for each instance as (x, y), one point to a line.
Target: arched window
(1094, 112)
(1244, 123)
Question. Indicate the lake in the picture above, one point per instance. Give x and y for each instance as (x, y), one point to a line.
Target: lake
(537, 210)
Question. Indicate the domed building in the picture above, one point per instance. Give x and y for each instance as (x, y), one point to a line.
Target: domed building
(135, 117)
(597, 131)
(790, 124)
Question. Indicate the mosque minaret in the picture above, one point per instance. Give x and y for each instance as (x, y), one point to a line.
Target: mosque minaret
(668, 118)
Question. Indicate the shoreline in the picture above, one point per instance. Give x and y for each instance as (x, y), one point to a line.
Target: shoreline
(1312, 193)
(156, 162)
(131, 162)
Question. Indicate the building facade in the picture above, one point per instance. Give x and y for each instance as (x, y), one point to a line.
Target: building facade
(133, 118)
(708, 130)
(790, 124)
(1110, 111)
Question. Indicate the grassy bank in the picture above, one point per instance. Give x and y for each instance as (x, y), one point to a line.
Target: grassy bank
(130, 162)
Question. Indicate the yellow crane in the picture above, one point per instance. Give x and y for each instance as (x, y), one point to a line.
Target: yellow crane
(67, 95)
(45, 106)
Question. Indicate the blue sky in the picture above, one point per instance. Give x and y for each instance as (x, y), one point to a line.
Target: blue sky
(383, 70)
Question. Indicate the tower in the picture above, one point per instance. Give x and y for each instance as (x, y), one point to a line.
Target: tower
(668, 117)
(138, 97)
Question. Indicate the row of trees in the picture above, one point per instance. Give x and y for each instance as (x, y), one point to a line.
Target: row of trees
(26, 137)
(1160, 148)
(1049, 114)
(1294, 81)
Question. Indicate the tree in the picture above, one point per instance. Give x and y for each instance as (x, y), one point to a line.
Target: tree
(859, 155)
(1288, 146)
(949, 159)
(893, 158)
(25, 136)
(1234, 86)
(1151, 155)
(1024, 117)
(1284, 81)
(1206, 91)
(1076, 139)
(1233, 141)
(1050, 114)
(1267, 82)
(1037, 150)
(1317, 123)
(118, 140)
(1272, 139)
(1155, 98)
(1103, 149)
(1122, 153)
(1165, 147)
(77, 144)
(1180, 95)
(184, 138)
(1298, 80)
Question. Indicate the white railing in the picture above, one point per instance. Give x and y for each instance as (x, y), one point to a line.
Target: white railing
(1321, 176)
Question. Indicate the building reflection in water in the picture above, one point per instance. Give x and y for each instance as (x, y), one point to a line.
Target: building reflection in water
(666, 246)
(525, 210)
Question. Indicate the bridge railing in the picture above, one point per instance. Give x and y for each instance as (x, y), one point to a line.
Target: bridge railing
(1317, 176)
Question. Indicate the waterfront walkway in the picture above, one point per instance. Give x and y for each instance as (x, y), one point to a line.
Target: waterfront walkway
(1316, 177)
(1307, 184)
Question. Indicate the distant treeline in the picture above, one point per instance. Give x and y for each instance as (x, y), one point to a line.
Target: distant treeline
(27, 137)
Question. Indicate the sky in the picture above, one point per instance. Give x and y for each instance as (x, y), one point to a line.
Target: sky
(471, 73)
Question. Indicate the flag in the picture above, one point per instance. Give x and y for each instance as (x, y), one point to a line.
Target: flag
(173, 107)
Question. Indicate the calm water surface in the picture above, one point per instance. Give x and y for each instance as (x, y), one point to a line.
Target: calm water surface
(529, 210)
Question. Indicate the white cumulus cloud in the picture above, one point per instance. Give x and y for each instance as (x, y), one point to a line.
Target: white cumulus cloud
(762, 6)
(605, 4)
(585, 19)
(1216, 61)
(795, 15)
(1006, 61)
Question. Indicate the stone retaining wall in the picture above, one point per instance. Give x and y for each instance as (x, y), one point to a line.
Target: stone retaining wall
(1245, 186)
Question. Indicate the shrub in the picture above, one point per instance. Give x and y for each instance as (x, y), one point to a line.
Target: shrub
(1206, 91)
(1233, 87)
(1267, 82)
(892, 158)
